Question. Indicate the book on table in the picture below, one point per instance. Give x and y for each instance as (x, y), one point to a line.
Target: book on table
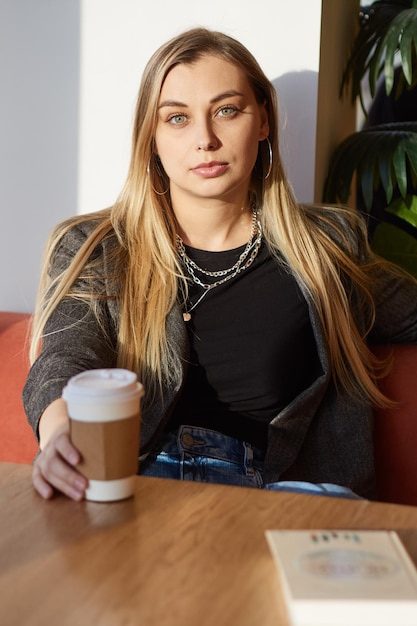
(345, 577)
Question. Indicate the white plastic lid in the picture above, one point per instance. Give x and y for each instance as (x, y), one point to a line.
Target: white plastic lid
(110, 384)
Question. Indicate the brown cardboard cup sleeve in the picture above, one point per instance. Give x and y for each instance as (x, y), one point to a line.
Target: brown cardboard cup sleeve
(109, 450)
(104, 410)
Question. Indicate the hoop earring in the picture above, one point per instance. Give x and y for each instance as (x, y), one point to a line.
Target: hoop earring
(270, 159)
(148, 171)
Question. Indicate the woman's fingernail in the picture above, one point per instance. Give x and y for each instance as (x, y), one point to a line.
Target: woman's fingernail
(76, 494)
(46, 492)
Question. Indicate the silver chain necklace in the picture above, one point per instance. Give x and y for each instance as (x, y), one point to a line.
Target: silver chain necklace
(245, 259)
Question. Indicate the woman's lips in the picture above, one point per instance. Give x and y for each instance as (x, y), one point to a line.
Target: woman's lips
(211, 169)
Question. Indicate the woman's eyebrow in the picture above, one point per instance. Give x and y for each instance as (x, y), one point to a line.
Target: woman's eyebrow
(172, 103)
(226, 94)
(221, 96)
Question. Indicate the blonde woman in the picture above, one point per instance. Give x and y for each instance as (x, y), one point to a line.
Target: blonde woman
(247, 316)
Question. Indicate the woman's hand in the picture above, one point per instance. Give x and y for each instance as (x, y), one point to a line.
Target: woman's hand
(55, 467)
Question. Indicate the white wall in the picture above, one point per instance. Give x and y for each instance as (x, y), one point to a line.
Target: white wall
(72, 70)
(39, 98)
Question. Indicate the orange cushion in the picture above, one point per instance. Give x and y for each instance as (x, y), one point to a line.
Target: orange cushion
(17, 442)
(395, 430)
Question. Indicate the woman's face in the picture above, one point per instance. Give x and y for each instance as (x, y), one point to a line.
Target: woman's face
(208, 129)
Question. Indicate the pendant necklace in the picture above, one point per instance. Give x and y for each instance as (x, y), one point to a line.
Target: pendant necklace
(245, 259)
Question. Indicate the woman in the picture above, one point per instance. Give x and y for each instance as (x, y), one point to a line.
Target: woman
(246, 316)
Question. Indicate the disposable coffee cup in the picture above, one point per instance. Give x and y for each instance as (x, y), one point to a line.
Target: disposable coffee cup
(104, 411)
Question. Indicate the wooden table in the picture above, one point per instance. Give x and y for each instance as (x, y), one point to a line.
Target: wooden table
(176, 554)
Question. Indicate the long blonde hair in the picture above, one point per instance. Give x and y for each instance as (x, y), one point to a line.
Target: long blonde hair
(312, 240)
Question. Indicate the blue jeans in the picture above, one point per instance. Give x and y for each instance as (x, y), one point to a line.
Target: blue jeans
(203, 455)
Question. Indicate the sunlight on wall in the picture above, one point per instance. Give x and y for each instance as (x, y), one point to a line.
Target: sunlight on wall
(70, 73)
(118, 37)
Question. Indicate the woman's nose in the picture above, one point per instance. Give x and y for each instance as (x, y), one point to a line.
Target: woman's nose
(206, 138)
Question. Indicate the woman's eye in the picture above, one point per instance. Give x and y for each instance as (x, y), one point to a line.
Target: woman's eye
(227, 111)
(178, 118)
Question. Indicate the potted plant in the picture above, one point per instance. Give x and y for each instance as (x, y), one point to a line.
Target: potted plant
(383, 155)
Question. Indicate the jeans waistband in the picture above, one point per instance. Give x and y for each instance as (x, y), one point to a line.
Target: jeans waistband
(214, 444)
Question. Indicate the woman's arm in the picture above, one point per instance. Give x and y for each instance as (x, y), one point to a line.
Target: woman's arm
(80, 333)
(76, 337)
(53, 418)
(76, 342)
(396, 309)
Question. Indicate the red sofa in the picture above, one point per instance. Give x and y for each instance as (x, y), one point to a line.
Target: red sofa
(17, 443)
(395, 430)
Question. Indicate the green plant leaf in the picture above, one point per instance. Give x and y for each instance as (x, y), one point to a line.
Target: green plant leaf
(376, 64)
(379, 153)
(408, 39)
(391, 27)
(399, 162)
(411, 149)
(370, 32)
(342, 167)
(386, 178)
(396, 245)
(405, 209)
(404, 24)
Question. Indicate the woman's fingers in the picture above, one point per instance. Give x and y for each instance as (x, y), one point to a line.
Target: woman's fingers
(40, 484)
(66, 449)
(55, 469)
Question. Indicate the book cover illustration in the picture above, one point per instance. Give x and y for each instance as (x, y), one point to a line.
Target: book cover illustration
(345, 577)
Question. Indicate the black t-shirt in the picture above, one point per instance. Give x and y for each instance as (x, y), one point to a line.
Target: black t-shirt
(252, 347)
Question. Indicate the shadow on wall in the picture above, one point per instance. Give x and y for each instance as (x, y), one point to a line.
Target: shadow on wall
(297, 98)
(39, 110)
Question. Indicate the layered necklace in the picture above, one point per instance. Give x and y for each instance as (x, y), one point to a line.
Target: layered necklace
(245, 259)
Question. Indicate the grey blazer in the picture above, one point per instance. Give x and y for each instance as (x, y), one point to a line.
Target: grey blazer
(323, 435)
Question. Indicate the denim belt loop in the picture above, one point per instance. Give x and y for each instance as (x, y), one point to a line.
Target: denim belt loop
(248, 459)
